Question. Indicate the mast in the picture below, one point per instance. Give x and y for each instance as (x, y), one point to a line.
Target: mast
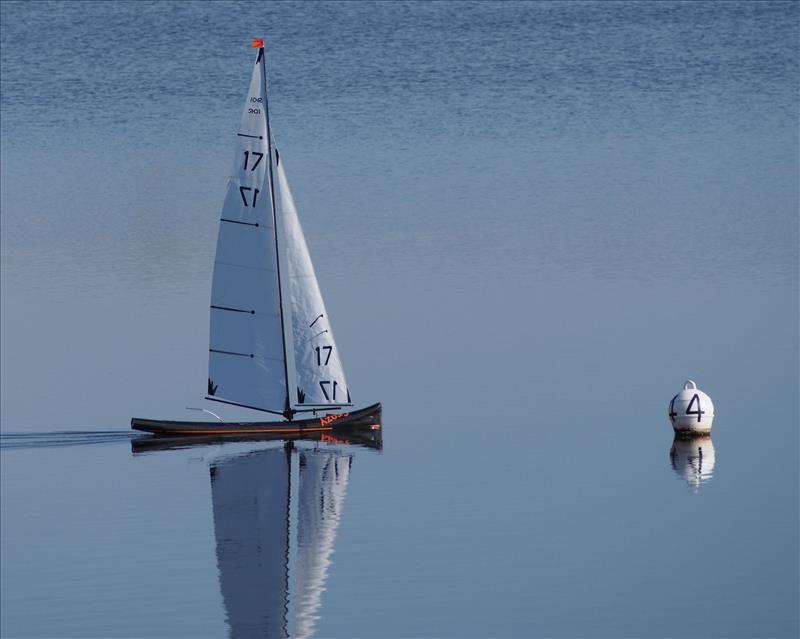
(287, 410)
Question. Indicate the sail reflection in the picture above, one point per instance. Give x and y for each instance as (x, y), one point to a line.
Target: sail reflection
(323, 485)
(250, 497)
(273, 555)
(693, 460)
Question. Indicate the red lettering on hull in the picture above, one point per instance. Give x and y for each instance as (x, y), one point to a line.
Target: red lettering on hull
(327, 419)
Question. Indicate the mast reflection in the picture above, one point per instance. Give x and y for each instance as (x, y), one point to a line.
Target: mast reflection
(693, 460)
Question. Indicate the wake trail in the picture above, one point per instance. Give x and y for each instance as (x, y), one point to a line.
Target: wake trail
(62, 438)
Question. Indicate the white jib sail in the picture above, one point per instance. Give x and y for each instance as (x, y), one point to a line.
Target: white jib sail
(319, 375)
(246, 359)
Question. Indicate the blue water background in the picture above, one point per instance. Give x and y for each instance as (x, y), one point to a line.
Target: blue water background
(531, 223)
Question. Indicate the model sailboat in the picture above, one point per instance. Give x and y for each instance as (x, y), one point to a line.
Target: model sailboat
(271, 343)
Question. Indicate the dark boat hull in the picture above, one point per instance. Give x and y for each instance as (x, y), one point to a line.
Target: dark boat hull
(365, 418)
(365, 437)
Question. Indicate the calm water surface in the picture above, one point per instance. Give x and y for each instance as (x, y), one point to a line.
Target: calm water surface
(531, 223)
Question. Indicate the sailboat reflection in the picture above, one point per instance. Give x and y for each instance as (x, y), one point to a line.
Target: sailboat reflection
(276, 513)
(693, 460)
(253, 497)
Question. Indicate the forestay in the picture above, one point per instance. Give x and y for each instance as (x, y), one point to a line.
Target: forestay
(247, 356)
(319, 375)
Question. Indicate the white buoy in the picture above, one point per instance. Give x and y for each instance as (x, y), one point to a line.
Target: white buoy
(691, 411)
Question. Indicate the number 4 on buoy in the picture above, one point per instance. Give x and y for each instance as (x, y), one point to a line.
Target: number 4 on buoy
(691, 411)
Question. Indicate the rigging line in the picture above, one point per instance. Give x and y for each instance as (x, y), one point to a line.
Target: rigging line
(315, 407)
(225, 401)
(222, 219)
(214, 350)
(317, 335)
(247, 355)
(262, 60)
(235, 310)
(244, 135)
(315, 321)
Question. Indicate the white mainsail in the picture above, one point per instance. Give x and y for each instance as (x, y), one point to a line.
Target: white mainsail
(319, 376)
(247, 355)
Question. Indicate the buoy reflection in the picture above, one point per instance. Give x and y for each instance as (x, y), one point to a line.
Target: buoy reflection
(693, 460)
